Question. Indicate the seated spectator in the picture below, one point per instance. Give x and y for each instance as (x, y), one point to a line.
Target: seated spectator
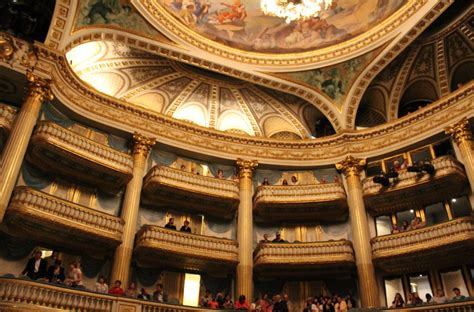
(279, 305)
(416, 223)
(336, 179)
(294, 180)
(52, 259)
(324, 179)
(220, 300)
(183, 167)
(185, 227)
(397, 166)
(398, 301)
(405, 226)
(351, 303)
(220, 174)
(265, 239)
(36, 267)
(310, 306)
(457, 295)
(101, 285)
(341, 305)
(284, 182)
(327, 305)
(144, 295)
(159, 295)
(278, 239)
(131, 290)
(429, 298)
(212, 304)
(170, 225)
(74, 276)
(265, 181)
(228, 304)
(241, 304)
(266, 305)
(117, 290)
(439, 296)
(56, 273)
(395, 229)
(204, 302)
(415, 299)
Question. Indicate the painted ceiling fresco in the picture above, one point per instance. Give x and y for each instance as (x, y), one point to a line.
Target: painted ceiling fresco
(241, 24)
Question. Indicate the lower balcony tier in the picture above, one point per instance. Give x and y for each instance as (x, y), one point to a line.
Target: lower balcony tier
(429, 247)
(165, 186)
(60, 223)
(175, 249)
(417, 189)
(325, 201)
(321, 259)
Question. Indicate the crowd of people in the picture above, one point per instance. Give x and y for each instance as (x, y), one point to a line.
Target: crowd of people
(415, 223)
(294, 180)
(415, 300)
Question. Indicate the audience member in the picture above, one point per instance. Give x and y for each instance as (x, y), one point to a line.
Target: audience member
(284, 182)
(220, 300)
(56, 273)
(265, 181)
(395, 229)
(278, 239)
(289, 304)
(405, 226)
(131, 290)
(341, 305)
(117, 290)
(265, 239)
(170, 225)
(429, 298)
(415, 299)
(351, 303)
(52, 259)
(416, 223)
(36, 267)
(294, 180)
(457, 295)
(310, 305)
(220, 174)
(336, 179)
(212, 304)
(204, 302)
(185, 227)
(439, 296)
(327, 305)
(144, 295)
(101, 285)
(324, 179)
(398, 301)
(74, 275)
(159, 295)
(228, 304)
(183, 167)
(242, 304)
(279, 305)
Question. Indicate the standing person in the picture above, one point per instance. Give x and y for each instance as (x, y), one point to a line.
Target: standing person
(185, 227)
(131, 290)
(310, 306)
(36, 267)
(159, 295)
(242, 303)
(398, 301)
(56, 273)
(204, 302)
(77, 275)
(101, 285)
(117, 289)
(279, 305)
(457, 295)
(144, 294)
(439, 296)
(228, 304)
(52, 259)
(341, 305)
(170, 225)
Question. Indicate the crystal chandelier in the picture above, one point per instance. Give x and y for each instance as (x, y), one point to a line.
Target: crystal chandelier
(292, 10)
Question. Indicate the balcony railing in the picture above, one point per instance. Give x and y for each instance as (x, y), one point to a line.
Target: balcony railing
(81, 158)
(417, 189)
(7, 116)
(435, 245)
(455, 306)
(52, 219)
(27, 295)
(165, 185)
(299, 202)
(184, 250)
(288, 258)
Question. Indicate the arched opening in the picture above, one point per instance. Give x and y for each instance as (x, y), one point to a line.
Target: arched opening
(462, 75)
(371, 110)
(416, 96)
(319, 125)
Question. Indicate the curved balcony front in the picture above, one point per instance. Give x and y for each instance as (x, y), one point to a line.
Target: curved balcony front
(417, 189)
(61, 151)
(432, 246)
(168, 248)
(321, 259)
(7, 116)
(47, 218)
(324, 201)
(164, 186)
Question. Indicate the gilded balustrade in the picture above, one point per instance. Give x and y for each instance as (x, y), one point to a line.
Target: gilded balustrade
(157, 245)
(7, 116)
(165, 185)
(318, 258)
(80, 157)
(50, 219)
(417, 189)
(299, 202)
(425, 247)
(455, 306)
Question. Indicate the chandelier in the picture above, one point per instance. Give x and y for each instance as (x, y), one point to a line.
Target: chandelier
(292, 10)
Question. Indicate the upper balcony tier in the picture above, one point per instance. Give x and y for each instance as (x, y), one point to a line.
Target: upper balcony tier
(326, 258)
(423, 248)
(324, 201)
(62, 151)
(417, 189)
(47, 218)
(168, 186)
(168, 248)
(7, 116)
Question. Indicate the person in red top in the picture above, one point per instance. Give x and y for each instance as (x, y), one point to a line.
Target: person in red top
(241, 304)
(117, 289)
(213, 304)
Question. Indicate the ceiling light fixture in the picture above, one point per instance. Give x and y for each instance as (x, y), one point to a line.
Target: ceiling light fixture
(292, 10)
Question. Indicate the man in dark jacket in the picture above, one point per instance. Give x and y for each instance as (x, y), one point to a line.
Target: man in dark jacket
(36, 267)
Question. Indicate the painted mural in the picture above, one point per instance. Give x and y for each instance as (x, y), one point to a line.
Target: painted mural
(112, 12)
(241, 24)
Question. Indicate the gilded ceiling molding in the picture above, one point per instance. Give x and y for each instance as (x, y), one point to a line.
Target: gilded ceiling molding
(150, 85)
(392, 50)
(90, 104)
(213, 104)
(185, 93)
(443, 82)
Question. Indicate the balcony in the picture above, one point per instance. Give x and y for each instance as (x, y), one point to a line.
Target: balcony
(455, 306)
(61, 151)
(159, 246)
(164, 186)
(27, 295)
(7, 116)
(325, 201)
(61, 223)
(432, 246)
(417, 190)
(321, 259)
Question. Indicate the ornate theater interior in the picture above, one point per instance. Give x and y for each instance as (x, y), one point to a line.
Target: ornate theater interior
(310, 155)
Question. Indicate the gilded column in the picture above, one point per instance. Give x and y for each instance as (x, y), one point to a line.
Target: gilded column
(17, 143)
(130, 206)
(461, 134)
(245, 229)
(352, 167)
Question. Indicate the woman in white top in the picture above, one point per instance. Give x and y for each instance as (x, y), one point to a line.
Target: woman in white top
(440, 297)
(77, 276)
(101, 286)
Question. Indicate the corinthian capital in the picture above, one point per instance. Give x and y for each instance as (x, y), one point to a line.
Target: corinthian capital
(460, 131)
(39, 86)
(142, 144)
(246, 167)
(351, 166)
